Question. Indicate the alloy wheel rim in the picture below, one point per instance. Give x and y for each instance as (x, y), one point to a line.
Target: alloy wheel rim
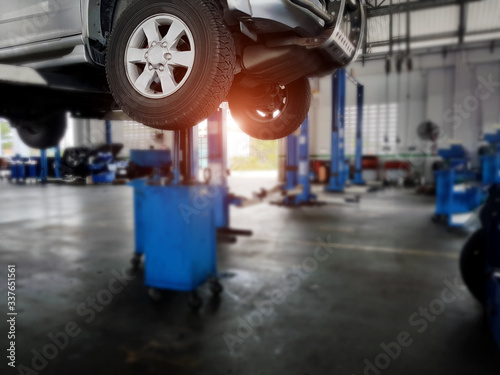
(159, 56)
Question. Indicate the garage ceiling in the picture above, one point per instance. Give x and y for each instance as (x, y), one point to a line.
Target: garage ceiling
(433, 24)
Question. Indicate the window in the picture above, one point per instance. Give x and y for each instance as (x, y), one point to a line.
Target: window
(137, 136)
(202, 146)
(379, 120)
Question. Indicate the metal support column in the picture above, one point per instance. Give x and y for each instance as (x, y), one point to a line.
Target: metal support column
(57, 162)
(216, 175)
(358, 174)
(291, 162)
(303, 164)
(297, 160)
(186, 155)
(337, 161)
(216, 172)
(176, 158)
(216, 147)
(193, 149)
(44, 165)
(109, 138)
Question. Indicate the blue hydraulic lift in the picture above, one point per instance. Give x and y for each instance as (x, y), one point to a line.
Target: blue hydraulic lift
(216, 175)
(337, 156)
(179, 219)
(44, 163)
(109, 133)
(216, 170)
(298, 187)
(358, 172)
(339, 169)
(44, 166)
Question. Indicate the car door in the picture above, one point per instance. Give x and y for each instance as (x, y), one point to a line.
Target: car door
(29, 21)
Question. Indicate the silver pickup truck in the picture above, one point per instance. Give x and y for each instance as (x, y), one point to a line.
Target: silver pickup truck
(170, 63)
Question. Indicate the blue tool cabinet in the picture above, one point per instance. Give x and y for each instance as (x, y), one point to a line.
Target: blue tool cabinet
(177, 235)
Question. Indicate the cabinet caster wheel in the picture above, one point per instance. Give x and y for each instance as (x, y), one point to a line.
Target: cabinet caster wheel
(136, 261)
(216, 287)
(154, 294)
(194, 301)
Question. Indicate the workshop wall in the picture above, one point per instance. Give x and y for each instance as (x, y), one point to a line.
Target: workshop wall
(443, 89)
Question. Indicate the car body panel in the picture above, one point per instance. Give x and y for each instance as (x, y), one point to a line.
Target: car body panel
(43, 51)
(68, 43)
(280, 13)
(24, 22)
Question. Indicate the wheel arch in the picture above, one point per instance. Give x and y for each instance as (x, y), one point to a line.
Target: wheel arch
(101, 17)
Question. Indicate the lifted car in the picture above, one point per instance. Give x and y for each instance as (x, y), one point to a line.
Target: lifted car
(170, 63)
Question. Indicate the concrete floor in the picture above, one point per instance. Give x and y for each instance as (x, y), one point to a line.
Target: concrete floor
(385, 261)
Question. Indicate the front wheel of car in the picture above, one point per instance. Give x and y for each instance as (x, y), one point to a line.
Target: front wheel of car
(270, 111)
(170, 63)
(42, 133)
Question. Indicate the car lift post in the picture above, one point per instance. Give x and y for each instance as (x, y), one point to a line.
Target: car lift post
(216, 175)
(216, 171)
(337, 161)
(291, 162)
(297, 168)
(57, 162)
(109, 134)
(44, 164)
(358, 174)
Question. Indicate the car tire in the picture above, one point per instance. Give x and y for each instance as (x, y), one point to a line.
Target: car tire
(286, 112)
(187, 71)
(473, 265)
(43, 133)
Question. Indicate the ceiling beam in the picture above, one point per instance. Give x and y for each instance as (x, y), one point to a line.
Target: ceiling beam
(431, 37)
(437, 49)
(462, 23)
(377, 11)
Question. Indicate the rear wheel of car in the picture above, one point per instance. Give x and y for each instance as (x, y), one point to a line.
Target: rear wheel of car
(170, 63)
(270, 111)
(42, 133)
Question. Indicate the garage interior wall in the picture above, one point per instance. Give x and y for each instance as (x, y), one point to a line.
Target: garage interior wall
(130, 133)
(442, 89)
